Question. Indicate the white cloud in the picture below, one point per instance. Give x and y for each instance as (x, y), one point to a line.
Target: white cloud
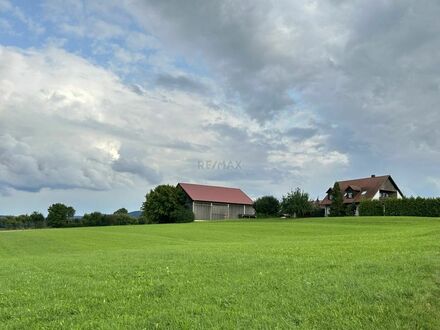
(67, 123)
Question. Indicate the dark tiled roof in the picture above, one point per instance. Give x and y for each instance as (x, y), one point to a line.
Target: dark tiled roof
(368, 187)
(203, 193)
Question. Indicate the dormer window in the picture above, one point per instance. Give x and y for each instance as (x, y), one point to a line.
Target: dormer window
(350, 195)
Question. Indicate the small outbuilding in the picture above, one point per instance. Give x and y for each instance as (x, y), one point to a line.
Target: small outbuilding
(213, 202)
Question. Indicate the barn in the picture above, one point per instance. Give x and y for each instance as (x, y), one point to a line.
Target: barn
(213, 202)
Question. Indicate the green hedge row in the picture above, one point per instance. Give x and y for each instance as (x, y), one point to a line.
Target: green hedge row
(371, 208)
(418, 207)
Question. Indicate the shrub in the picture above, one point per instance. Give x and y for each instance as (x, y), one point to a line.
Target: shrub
(182, 214)
(267, 206)
(316, 212)
(350, 209)
(371, 208)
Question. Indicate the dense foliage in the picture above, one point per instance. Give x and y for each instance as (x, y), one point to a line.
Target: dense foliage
(99, 219)
(267, 206)
(121, 211)
(413, 206)
(24, 221)
(371, 208)
(166, 204)
(296, 204)
(60, 215)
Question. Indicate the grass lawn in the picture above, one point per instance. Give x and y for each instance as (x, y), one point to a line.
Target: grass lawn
(351, 273)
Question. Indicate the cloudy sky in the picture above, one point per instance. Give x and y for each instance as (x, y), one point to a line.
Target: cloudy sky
(102, 100)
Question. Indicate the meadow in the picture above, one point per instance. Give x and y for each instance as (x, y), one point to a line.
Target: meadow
(336, 273)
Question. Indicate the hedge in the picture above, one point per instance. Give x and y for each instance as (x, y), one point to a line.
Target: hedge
(371, 208)
(417, 207)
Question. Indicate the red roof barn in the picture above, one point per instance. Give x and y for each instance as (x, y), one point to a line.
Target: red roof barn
(213, 202)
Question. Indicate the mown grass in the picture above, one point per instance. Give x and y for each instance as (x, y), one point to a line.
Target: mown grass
(351, 273)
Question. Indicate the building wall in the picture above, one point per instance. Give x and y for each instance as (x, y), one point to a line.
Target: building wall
(219, 211)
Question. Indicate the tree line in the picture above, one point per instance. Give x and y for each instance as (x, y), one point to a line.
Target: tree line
(163, 204)
(296, 203)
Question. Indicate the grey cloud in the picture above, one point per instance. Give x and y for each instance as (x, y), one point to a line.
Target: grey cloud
(137, 167)
(301, 133)
(368, 69)
(181, 82)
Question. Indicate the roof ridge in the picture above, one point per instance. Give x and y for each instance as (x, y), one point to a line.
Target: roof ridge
(206, 185)
(366, 178)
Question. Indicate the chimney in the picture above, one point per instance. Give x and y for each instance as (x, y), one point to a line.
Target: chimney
(373, 175)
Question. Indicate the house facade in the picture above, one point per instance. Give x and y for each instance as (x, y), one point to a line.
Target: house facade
(357, 190)
(215, 203)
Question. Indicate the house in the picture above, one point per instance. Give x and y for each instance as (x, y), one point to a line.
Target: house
(212, 202)
(371, 188)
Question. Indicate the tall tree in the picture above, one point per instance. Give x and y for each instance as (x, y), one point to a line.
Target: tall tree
(296, 203)
(337, 207)
(267, 205)
(166, 204)
(59, 215)
(37, 219)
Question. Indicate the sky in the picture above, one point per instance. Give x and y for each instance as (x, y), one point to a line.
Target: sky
(101, 101)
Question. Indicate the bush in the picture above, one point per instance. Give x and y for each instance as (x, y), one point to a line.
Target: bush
(316, 212)
(182, 214)
(267, 206)
(371, 208)
(350, 209)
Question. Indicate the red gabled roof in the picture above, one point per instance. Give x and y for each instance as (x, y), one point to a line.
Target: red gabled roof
(203, 193)
(367, 186)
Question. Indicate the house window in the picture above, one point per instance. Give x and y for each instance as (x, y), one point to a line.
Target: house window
(349, 195)
(384, 194)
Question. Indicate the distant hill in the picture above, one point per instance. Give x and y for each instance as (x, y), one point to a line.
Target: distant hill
(135, 214)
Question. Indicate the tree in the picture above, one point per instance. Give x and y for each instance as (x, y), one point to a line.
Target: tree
(37, 219)
(267, 205)
(165, 204)
(93, 219)
(121, 211)
(296, 203)
(59, 215)
(23, 221)
(337, 207)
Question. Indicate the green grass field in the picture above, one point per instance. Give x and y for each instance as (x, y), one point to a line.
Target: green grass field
(351, 273)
